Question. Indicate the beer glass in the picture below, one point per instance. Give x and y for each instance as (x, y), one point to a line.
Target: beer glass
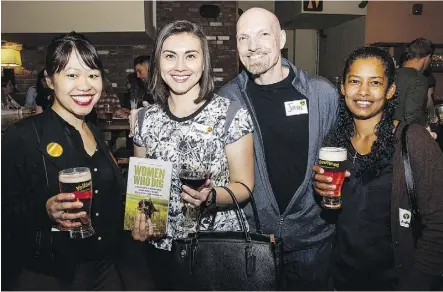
(433, 118)
(109, 112)
(78, 181)
(334, 161)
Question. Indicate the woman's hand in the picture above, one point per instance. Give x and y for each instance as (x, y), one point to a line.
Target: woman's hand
(143, 228)
(322, 183)
(57, 205)
(195, 198)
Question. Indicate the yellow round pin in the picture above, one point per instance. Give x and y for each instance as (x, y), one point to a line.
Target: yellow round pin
(209, 130)
(54, 149)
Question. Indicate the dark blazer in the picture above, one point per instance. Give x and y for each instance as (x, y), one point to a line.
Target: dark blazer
(29, 179)
(419, 268)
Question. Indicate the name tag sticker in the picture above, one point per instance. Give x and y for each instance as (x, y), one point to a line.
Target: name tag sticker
(296, 107)
(404, 217)
(202, 128)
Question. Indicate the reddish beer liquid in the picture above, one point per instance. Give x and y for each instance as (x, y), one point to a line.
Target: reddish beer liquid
(337, 180)
(84, 196)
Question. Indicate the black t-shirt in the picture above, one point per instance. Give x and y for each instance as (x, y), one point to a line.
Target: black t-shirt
(285, 136)
(363, 254)
(107, 207)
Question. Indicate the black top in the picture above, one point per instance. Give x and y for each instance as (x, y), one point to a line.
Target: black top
(106, 203)
(44, 98)
(285, 137)
(363, 255)
(32, 178)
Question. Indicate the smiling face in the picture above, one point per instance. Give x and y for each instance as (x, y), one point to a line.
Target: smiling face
(365, 88)
(259, 40)
(77, 87)
(181, 64)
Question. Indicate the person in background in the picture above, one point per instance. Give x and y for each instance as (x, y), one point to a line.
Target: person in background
(374, 245)
(44, 98)
(292, 112)
(38, 253)
(8, 102)
(32, 92)
(109, 97)
(182, 84)
(412, 85)
(136, 83)
(431, 87)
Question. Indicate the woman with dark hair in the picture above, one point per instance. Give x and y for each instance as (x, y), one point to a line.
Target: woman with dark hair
(34, 150)
(374, 247)
(190, 125)
(44, 98)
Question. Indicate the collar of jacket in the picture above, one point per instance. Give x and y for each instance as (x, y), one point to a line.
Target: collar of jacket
(300, 81)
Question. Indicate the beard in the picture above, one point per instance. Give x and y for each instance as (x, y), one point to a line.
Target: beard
(258, 66)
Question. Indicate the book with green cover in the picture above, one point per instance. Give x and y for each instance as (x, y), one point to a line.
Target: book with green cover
(148, 192)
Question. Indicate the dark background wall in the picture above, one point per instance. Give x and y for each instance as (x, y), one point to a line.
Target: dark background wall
(117, 57)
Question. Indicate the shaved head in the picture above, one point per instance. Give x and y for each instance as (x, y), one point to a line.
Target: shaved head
(259, 15)
(259, 41)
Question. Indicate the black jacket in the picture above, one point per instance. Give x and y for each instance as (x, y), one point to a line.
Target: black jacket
(29, 179)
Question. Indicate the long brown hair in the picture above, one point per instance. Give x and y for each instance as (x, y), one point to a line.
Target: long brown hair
(157, 87)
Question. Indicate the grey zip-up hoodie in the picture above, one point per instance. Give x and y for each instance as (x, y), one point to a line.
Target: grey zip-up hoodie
(301, 225)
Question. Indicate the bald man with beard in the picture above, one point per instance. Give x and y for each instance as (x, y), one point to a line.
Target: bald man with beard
(292, 113)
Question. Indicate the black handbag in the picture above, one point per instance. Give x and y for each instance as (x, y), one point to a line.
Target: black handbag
(416, 224)
(228, 260)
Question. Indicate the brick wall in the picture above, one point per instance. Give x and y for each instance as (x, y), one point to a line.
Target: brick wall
(117, 61)
(220, 32)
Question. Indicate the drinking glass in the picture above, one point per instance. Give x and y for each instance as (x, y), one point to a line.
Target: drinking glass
(334, 161)
(433, 118)
(108, 112)
(78, 181)
(194, 178)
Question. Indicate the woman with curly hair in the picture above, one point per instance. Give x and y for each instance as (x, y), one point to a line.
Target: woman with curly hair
(375, 248)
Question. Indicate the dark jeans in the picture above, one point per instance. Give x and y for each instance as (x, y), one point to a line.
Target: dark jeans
(133, 265)
(308, 269)
(97, 275)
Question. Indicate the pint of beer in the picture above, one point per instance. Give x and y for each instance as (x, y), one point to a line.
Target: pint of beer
(334, 161)
(78, 182)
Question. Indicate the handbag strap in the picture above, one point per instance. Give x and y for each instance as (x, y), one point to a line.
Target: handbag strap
(410, 187)
(240, 216)
(254, 208)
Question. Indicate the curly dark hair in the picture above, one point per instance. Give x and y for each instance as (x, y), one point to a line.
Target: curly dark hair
(383, 147)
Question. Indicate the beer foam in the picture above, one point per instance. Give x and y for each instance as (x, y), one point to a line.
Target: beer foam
(333, 154)
(74, 177)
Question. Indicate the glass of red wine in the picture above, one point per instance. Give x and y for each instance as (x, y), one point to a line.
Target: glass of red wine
(195, 179)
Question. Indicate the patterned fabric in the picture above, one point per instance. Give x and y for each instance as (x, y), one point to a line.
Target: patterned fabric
(197, 141)
(104, 99)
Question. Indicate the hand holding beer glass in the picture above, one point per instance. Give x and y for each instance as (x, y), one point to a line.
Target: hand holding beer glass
(78, 182)
(334, 162)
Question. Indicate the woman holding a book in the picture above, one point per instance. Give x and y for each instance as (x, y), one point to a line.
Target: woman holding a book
(193, 128)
